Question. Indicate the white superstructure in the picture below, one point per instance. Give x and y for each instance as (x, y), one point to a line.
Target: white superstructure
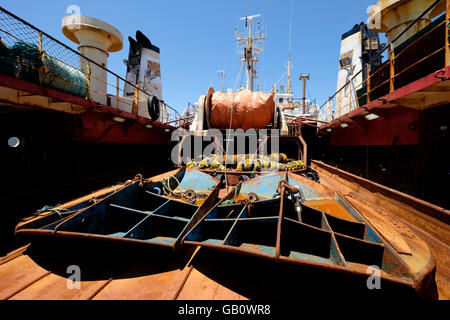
(143, 66)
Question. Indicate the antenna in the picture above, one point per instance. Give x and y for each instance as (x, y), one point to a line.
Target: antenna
(221, 77)
(245, 13)
(249, 45)
(289, 87)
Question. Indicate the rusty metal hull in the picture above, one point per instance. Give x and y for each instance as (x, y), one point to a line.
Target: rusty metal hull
(128, 215)
(311, 226)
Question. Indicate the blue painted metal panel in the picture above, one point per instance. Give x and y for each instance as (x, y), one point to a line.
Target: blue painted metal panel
(309, 192)
(264, 186)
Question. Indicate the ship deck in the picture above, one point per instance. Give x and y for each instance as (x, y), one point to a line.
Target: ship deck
(424, 93)
(39, 271)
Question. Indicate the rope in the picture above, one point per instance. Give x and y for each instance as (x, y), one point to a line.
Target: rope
(227, 202)
(166, 184)
(95, 199)
(59, 211)
(53, 209)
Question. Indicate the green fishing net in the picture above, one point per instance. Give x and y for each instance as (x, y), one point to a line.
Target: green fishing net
(23, 60)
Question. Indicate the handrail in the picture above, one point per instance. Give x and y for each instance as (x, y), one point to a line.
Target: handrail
(436, 2)
(42, 33)
(419, 61)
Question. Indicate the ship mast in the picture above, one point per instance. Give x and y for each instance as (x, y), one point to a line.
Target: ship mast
(250, 45)
(289, 87)
(221, 77)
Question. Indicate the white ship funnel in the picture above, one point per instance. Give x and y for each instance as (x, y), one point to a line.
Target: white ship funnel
(143, 67)
(358, 46)
(96, 38)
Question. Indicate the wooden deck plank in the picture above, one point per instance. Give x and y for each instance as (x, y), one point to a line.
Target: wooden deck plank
(158, 286)
(223, 293)
(199, 287)
(18, 274)
(54, 287)
(13, 254)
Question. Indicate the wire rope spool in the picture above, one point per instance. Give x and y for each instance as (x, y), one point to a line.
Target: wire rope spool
(208, 107)
(252, 197)
(190, 196)
(275, 113)
(154, 108)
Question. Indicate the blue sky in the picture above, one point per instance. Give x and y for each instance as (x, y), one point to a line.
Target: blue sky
(197, 39)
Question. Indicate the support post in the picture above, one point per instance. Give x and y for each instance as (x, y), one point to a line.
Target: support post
(391, 68)
(40, 41)
(447, 35)
(88, 80)
(117, 92)
(135, 107)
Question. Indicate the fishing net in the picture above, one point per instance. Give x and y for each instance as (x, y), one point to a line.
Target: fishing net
(63, 77)
(23, 60)
(7, 64)
(28, 61)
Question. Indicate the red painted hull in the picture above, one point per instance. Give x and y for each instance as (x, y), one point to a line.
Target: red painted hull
(97, 124)
(398, 127)
(397, 124)
(99, 127)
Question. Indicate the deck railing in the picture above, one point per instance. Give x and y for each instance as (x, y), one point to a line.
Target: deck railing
(30, 54)
(426, 52)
